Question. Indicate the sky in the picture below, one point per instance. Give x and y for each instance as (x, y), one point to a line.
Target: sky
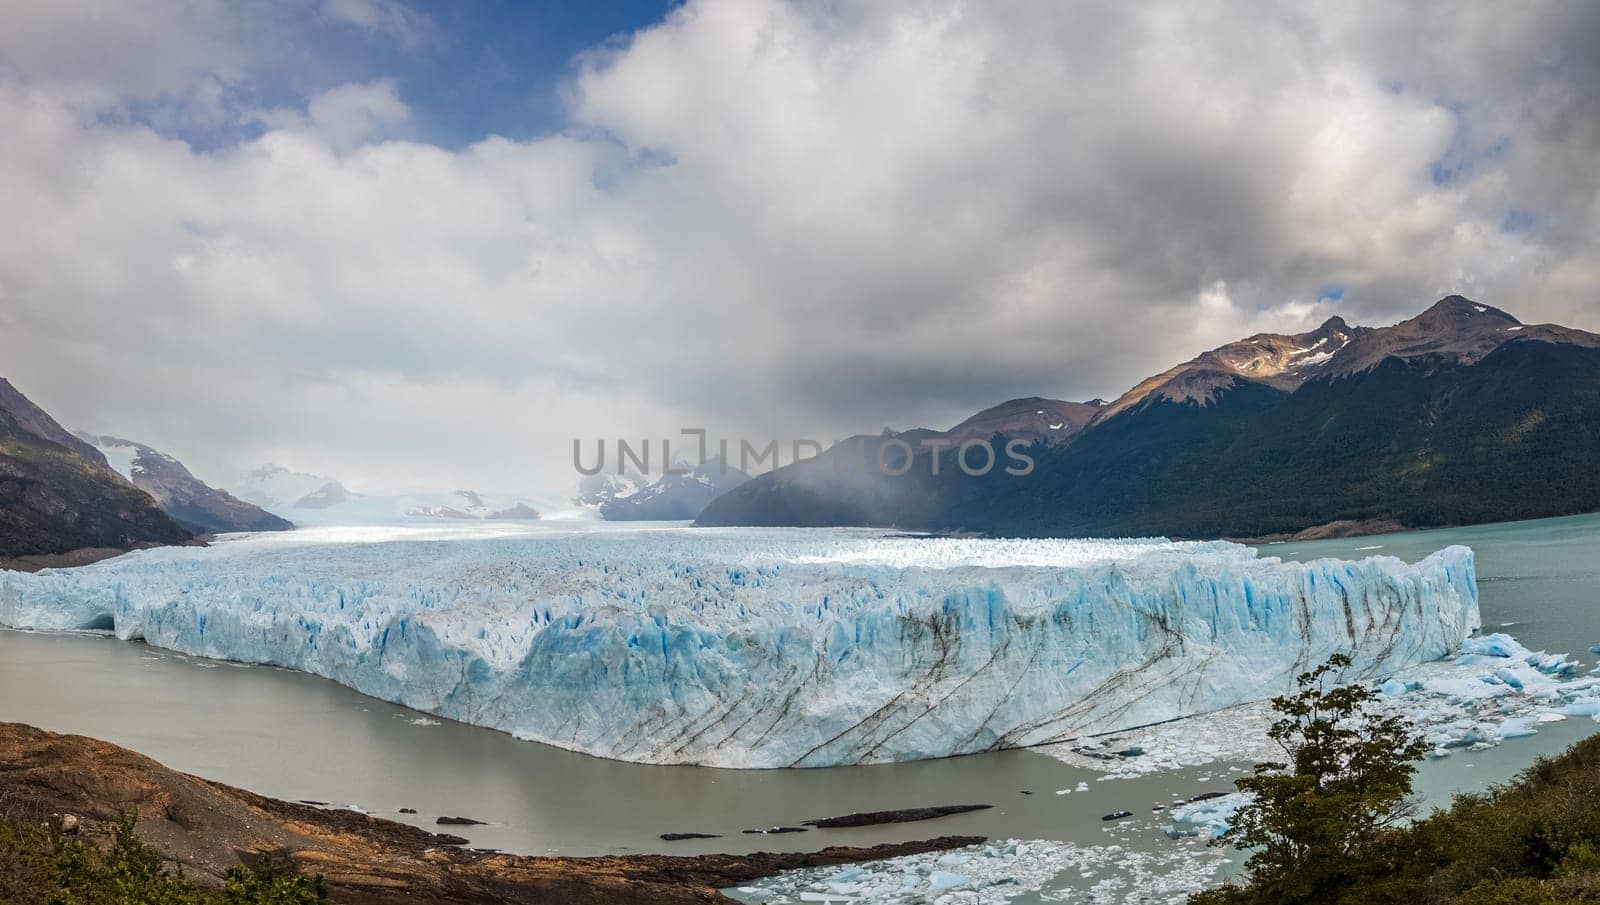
(427, 246)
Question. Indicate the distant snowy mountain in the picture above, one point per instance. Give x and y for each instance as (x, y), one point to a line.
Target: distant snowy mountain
(325, 497)
(469, 504)
(596, 490)
(278, 489)
(193, 503)
(311, 499)
(675, 496)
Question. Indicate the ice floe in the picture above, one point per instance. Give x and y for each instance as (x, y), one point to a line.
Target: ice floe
(1492, 690)
(997, 872)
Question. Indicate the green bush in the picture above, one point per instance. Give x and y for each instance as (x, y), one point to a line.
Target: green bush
(1533, 841)
(41, 866)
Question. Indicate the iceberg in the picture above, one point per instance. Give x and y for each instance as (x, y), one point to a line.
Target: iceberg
(1208, 818)
(773, 647)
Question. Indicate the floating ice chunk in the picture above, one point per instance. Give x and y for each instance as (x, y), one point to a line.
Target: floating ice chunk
(1518, 727)
(1508, 677)
(1210, 818)
(1497, 644)
(999, 872)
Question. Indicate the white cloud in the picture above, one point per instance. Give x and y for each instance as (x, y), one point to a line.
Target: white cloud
(352, 115)
(781, 219)
(103, 49)
(381, 17)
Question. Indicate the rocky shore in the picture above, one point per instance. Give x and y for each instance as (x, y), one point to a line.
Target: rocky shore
(207, 827)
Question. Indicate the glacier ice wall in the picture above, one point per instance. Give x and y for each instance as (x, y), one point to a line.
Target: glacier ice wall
(772, 648)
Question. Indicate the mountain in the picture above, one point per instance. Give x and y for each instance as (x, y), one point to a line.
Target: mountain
(846, 485)
(469, 504)
(1459, 415)
(675, 497)
(516, 512)
(191, 502)
(1032, 419)
(596, 490)
(1275, 359)
(327, 496)
(58, 494)
(311, 499)
(278, 489)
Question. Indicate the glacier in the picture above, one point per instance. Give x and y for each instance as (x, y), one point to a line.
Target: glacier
(769, 647)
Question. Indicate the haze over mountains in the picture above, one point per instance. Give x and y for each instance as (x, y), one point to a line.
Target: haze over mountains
(60, 491)
(277, 488)
(317, 499)
(1461, 414)
(195, 505)
(89, 495)
(672, 497)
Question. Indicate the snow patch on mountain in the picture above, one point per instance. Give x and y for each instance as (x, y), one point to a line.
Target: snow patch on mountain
(120, 457)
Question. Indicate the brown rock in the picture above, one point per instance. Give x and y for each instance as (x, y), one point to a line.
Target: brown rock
(366, 860)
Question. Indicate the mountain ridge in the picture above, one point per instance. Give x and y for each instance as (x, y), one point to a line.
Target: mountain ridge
(58, 495)
(1191, 451)
(675, 496)
(190, 501)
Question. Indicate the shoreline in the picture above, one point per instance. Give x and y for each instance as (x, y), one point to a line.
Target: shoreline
(206, 827)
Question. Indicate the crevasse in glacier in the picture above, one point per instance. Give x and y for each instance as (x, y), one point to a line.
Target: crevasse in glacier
(770, 648)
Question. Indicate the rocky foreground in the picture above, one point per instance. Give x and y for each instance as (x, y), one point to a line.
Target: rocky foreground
(206, 827)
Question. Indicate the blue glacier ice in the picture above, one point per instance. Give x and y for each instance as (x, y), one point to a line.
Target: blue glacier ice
(768, 648)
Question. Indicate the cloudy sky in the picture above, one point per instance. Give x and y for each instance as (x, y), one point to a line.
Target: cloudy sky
(425, 246)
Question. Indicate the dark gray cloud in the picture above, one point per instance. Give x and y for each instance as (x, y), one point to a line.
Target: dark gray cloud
(767, 218)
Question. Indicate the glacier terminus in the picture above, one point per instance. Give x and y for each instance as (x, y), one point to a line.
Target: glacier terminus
(771, 647)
